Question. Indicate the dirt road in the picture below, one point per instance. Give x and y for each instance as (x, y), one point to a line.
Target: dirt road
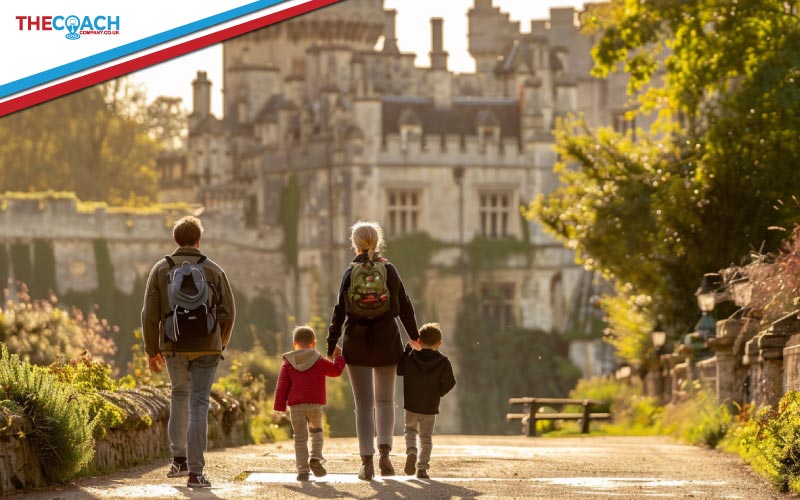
(483, 467)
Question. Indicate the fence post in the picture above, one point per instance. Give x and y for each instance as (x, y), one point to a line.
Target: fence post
(532, 419)
(585, 423)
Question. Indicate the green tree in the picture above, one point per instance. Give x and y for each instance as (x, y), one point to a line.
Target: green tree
(100, 142)
(710, 179)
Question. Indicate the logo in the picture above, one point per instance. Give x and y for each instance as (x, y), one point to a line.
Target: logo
(72, 24)
(76, 26)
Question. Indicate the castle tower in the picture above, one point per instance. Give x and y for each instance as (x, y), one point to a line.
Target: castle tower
(490, 31)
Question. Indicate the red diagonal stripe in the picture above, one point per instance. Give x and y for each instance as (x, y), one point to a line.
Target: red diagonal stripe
(81, 82)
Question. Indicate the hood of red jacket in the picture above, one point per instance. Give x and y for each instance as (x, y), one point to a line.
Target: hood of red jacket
(302, 359)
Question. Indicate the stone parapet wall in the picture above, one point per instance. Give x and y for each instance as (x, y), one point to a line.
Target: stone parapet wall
(64, 218)
(141, 438)
(707, 373)
(19, 465)
(791, 362)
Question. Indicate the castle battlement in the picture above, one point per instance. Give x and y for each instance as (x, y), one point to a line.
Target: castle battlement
(453, 151)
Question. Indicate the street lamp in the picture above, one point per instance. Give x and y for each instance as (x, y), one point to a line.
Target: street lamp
(659, 337)
(706, 300)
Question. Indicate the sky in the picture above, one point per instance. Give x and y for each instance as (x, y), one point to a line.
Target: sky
(174, 77)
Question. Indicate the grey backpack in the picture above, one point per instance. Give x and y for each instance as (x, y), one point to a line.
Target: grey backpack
(190, 315)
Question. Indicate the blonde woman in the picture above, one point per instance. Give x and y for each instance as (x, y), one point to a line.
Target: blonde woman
(371, 296)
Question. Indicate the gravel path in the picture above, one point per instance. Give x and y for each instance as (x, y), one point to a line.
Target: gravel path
(485, 467)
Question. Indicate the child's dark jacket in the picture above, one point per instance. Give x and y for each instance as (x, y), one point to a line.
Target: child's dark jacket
(427, 376)
(302, 378)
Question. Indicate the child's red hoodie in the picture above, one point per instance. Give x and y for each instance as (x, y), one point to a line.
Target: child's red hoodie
(302, 378)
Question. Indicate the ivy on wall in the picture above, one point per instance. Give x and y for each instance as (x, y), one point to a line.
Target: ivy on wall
(4, 266)
(490, 253)
(44, 268)
(21, 262)
(256, 323)
(289, 218)
(104, 267)
(411, 254)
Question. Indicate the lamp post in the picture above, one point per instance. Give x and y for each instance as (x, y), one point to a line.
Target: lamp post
(659, 337)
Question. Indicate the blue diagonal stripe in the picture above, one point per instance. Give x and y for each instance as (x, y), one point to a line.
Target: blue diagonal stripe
(130, 48)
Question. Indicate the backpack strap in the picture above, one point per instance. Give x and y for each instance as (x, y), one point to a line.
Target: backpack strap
(169, 261)
(201, 259)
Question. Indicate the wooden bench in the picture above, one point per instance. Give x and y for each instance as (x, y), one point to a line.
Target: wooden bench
(534, 405)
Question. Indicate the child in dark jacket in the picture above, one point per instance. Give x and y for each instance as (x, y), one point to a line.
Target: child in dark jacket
(428, 375)
(301, 386)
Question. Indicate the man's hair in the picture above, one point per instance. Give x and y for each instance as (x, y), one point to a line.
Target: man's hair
(303, 336)
(187, 231)
(430, 334)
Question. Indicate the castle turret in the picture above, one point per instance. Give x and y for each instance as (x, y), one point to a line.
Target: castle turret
(490, 31)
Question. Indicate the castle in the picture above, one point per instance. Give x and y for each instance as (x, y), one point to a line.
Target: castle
(312, 107)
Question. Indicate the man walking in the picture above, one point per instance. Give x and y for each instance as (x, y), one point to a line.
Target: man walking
(187, 320)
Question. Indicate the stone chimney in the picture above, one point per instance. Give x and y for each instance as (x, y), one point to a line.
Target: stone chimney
(389, 32)
(201, 94)
(438, 54)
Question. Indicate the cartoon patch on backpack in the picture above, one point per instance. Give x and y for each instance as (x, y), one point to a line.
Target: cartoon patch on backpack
(368, 295)
(190, 315)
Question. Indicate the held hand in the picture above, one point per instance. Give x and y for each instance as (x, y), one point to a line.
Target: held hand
(156, 362)
(337, 351)
(415, 345)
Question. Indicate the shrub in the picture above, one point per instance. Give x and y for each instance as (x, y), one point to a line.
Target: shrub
(632, 412)
(139, 373)
(698, 420)
(770, 441)
(251, 380)
(87, 377)
(41, 333)
(265, 427)
(61, 426)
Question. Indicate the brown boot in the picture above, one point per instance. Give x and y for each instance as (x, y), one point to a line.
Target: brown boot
(367, 471)
(384, 462)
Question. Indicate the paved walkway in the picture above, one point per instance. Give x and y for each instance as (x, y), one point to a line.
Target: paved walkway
(484, 467)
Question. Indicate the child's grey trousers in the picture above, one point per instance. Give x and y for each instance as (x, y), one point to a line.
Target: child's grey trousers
(417, 424)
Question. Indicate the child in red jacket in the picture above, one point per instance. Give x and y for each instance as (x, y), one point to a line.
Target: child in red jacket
(301, 385)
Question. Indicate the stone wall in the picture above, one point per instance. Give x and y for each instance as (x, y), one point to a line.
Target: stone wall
(752, 364)
(141, 438)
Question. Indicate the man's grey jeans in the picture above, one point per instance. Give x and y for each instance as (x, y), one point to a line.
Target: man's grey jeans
(188, 411)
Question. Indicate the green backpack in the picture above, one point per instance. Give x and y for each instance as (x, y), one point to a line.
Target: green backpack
(368, 295)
